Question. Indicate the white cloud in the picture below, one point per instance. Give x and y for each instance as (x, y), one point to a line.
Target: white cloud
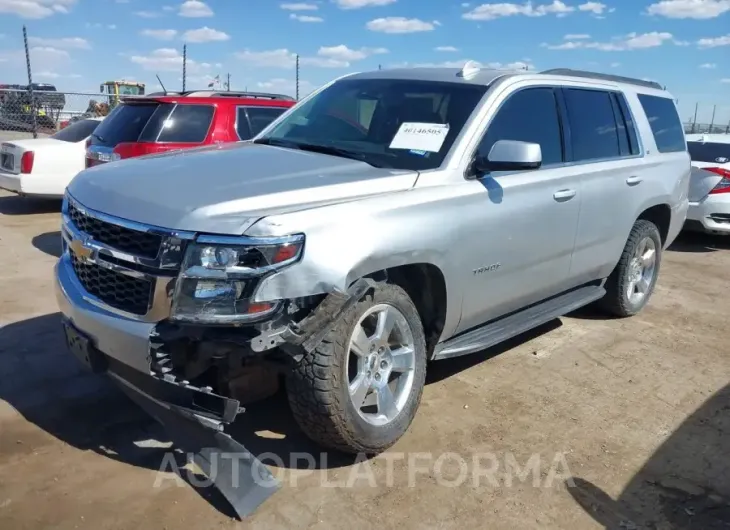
(327, 57)
(632, 41)
(708, 66)
(517, 65)
(35, 9)
(160, 34)
(280, 85)
(66, 43)
(446, 49)
(714, 42)
(48, 74)
(697, 9)
(168, 60)
(725, 80)
(529, 9)
(305, 18)
(357, 4)
(146, 14)
(576, 36)
(299, 6)
(195, 9)
(205, 34)
(399, 25)
(615, 65)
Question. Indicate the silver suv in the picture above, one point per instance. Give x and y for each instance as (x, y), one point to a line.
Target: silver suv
(389, 219)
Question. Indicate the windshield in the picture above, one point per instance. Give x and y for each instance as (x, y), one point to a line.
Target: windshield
(394, 123)
(709, 152)
(77, 131)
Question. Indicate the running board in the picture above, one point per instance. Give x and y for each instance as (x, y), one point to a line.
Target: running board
(517, 323)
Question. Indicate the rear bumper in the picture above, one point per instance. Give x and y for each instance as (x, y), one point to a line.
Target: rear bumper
(711, 214)
(42, 186)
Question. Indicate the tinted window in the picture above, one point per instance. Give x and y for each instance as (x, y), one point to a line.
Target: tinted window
(363, 117)
(665, 124)
(260, 117)
(187, 124)
(77, 131)
(593, 130)
(242, 127)
(530, 115)
(123, 124)
(709, 152)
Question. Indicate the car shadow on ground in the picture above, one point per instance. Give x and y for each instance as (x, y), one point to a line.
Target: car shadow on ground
(699, 242)
(49, 243)
(14, 205)
(684, 484)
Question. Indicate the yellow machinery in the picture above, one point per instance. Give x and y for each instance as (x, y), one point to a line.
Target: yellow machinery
(114, 89)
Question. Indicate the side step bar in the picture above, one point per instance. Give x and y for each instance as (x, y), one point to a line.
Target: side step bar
(517, 323)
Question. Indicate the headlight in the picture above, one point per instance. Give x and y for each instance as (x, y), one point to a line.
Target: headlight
(220, 274)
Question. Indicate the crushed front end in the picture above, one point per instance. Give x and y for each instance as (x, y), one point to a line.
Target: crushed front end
(169, 316)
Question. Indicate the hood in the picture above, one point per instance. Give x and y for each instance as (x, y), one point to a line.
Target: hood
(225, 189)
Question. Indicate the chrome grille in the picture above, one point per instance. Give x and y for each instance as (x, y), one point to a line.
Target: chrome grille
(132, 295)
(142, 244)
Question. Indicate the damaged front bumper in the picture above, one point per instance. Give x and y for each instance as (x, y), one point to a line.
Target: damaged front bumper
(193, 419)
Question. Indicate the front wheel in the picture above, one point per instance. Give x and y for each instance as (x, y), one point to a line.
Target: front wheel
(632, 282)
(359, 390)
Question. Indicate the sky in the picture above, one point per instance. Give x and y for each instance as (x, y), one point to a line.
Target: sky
(78, 44)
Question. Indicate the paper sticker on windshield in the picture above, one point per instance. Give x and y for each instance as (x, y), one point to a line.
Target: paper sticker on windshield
(420, 136)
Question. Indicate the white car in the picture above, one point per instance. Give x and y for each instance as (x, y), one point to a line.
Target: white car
(709, 193)
(43, 167)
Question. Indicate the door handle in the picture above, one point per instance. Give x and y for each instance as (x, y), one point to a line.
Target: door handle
(633, 181)
(563, 195)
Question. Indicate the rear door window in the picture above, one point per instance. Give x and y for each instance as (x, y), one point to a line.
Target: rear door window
(124, 124)
(665, 123)
(593, 129)
(709, 152)
(187, 124)
(253, 120)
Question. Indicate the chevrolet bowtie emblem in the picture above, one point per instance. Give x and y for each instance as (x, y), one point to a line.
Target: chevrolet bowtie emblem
(80, 250)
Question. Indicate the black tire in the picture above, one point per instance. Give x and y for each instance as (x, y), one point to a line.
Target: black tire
(617, 302)
(318, 386)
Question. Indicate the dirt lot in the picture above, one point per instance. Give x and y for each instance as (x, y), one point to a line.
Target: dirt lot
(627, 422)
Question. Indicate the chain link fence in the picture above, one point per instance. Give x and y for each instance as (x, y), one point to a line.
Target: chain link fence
(26, 113)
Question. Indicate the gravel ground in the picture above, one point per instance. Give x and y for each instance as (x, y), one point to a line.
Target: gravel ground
(625, 422)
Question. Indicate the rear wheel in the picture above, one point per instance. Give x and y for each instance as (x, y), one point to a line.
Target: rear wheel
(359, 390)
(632, 282)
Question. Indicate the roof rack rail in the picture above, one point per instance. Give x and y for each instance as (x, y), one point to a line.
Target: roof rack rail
(236, 94)
(603, 77)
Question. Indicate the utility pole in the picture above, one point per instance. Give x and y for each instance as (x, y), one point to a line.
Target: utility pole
(380, 67)
(185, 64)
(712, 121)
(228, 81)
(297, 78)
(694, 120)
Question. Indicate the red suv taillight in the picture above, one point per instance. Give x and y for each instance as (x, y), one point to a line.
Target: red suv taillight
(26, 162)
(724, 185)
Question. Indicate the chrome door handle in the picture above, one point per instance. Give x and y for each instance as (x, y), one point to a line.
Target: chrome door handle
(633, 181)
(563, 195)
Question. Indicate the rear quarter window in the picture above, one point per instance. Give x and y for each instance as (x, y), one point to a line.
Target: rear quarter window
(124, 124)
(664, 122)
(187, 124)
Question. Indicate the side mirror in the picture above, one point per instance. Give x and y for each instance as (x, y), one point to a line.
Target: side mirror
(510, 155)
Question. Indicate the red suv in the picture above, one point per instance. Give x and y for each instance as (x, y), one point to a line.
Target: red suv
(166, 121)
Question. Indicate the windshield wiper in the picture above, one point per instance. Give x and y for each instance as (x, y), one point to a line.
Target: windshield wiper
(317, 148)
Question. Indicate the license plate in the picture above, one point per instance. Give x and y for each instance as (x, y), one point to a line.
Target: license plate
(82, 349)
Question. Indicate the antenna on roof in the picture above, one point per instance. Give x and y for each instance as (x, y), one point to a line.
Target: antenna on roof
(469, 70)
(160, 81)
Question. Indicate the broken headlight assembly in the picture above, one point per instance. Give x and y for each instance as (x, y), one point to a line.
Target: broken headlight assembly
(220, 274)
